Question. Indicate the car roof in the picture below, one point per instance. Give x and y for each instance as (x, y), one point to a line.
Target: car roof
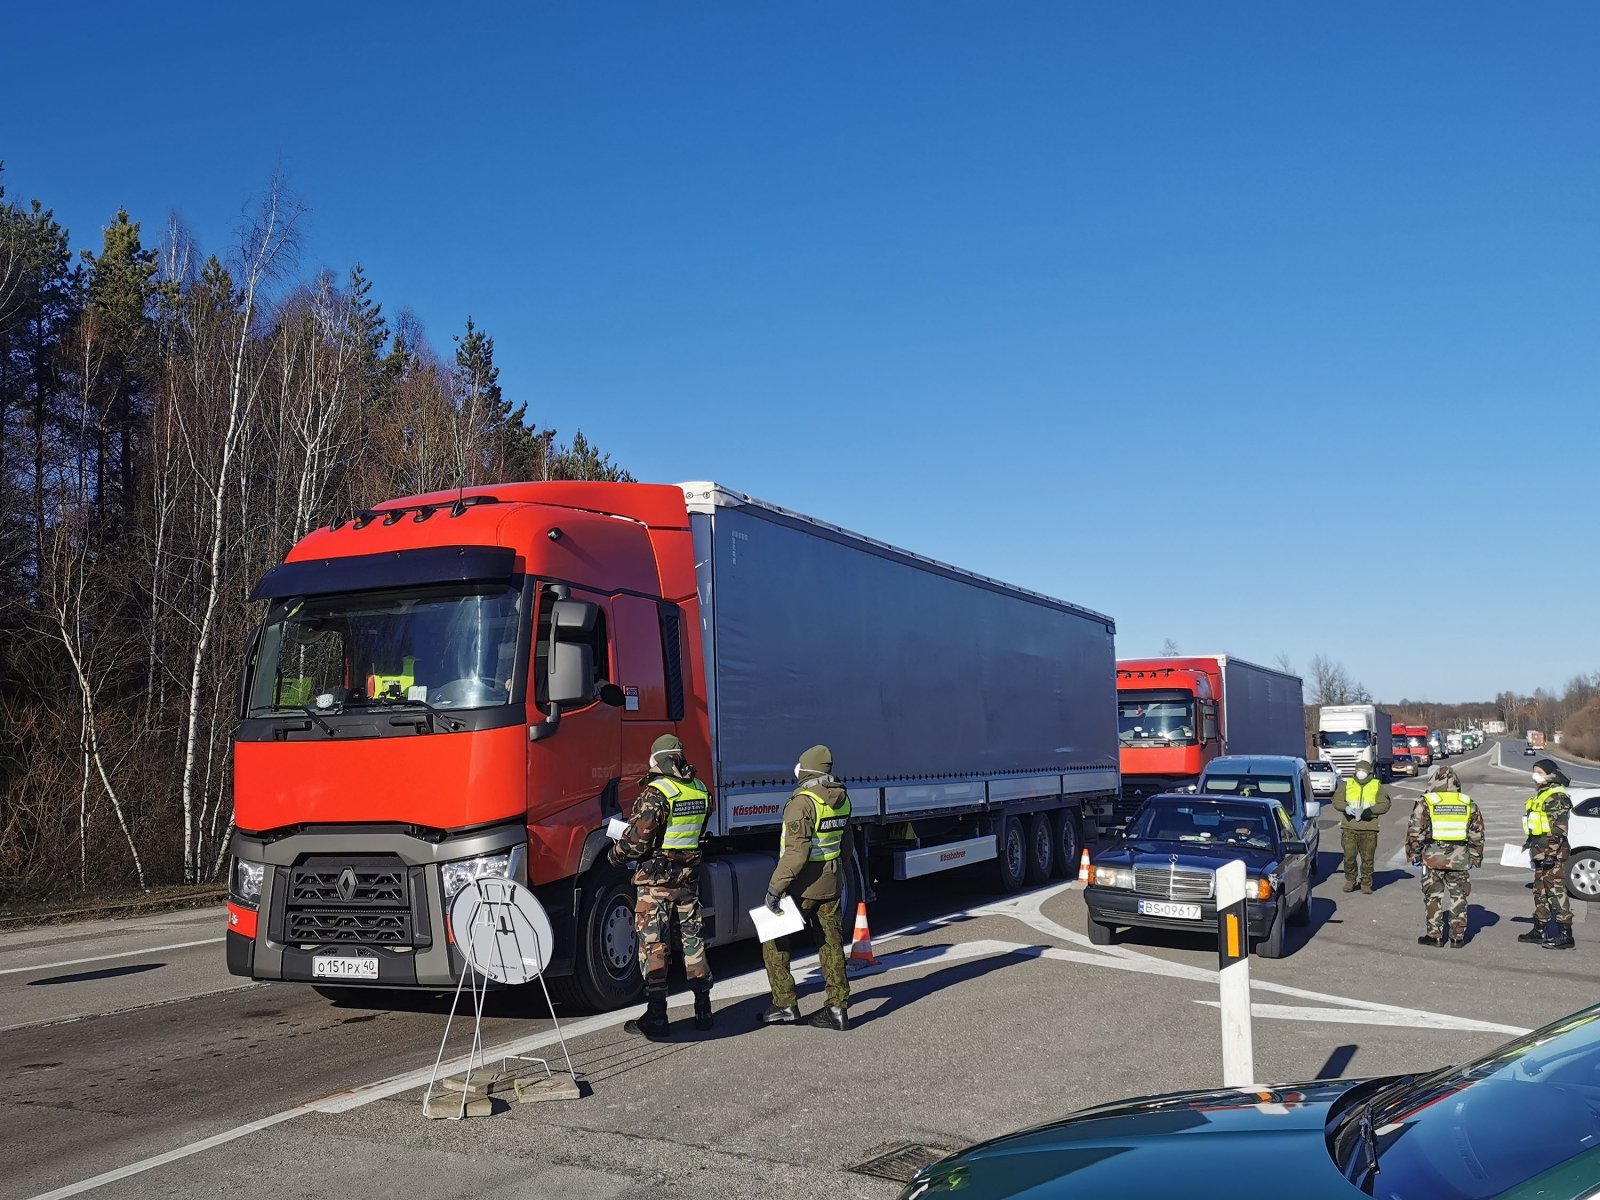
(1216, 798)
(1250, 764)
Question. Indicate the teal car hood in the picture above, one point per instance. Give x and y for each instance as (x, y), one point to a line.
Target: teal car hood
(1224, 1143)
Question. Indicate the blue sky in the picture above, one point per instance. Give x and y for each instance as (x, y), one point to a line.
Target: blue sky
(1144, 305)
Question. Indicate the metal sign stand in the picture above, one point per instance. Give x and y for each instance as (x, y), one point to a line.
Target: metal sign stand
(504, 935)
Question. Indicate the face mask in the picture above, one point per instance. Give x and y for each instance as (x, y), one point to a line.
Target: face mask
(797, 772)
(1540, 779)
(1363, 776)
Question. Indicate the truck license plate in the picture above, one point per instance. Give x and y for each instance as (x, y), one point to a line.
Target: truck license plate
(1160, 908)
(344, 966)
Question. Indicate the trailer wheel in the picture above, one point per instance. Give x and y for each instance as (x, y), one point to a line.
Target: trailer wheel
(605, 966)
(1041, 849)
(1011, 859)
(1064, 827)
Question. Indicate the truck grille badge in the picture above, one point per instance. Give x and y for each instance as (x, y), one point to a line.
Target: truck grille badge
(347, 884)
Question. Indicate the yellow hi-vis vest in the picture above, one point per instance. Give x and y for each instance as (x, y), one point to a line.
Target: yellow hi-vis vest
(827, 840)
(1449, 812)
(1535, 821)
(1360, 796)
(688, 807)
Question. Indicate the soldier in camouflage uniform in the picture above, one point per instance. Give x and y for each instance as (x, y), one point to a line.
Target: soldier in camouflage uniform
(663, 842)
(1445, 837)
(1544, 820)
(813, 856)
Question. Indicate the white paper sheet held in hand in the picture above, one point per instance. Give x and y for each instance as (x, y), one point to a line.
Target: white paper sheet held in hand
(615, 828)
(1514, 856)
(770, 926)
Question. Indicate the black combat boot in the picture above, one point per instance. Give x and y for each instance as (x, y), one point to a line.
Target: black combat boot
(781, 1015)
(654, 1023)
(702, 1006)
(1562, 940)
(1534, 935)
(830, 1016)
(1428, 939)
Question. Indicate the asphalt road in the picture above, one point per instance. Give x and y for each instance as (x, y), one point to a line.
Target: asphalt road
(135, 1064)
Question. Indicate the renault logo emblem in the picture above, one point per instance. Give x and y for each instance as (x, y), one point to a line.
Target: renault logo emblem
(347, 884)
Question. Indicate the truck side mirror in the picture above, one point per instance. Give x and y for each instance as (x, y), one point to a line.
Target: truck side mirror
(571, 679)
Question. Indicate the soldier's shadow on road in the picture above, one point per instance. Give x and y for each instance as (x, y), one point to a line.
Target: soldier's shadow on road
(1480, 918)
(1382, 879)
(898, 993)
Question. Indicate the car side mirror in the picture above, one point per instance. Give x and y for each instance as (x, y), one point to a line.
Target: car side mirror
(1295, 847)
(1313, 809)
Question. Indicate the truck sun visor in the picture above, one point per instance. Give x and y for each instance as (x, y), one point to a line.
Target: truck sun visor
(397, 568)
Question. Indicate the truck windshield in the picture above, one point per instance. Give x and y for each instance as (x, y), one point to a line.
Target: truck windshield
(1415, 740)
(1401, 746)
(1156, 722)
(452, 646)
(1335, 739)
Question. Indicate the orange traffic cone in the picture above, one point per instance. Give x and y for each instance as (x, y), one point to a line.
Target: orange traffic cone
(1083, 866)
(861, 956)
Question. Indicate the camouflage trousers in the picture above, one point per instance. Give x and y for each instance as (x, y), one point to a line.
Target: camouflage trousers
(1360, 849)
(1550, 893)
(822, 916)
(1444, 894)
(653, 913)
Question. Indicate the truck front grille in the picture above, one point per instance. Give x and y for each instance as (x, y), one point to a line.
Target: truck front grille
(310, 928)
(1173, 885)
(350, 901)
(369, 882)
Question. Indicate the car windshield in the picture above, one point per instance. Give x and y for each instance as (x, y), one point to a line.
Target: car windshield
(1156, 722)
(450, 647)
(1472, 1132)
(1347, 739)
(1204, 823)
(1249, 785)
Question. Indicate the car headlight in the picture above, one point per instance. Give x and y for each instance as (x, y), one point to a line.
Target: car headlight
(456, 875)
(1111, 877)
(244, 883)
(1258, 889)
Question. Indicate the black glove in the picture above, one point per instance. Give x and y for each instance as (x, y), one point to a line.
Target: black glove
(1416, 862)
(774, 901)
(1368, 815)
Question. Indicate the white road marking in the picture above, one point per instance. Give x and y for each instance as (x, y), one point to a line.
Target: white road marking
(1403, 1020)
(1025, 909)
(78, 962)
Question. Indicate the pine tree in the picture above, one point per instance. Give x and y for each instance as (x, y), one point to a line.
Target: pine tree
(582, 460)
(121, 292)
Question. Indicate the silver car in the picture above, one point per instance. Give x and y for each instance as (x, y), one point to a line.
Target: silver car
(1324, 778)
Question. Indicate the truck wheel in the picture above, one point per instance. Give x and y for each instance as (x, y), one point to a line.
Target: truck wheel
(1041, 849)
(1064, 822)
(1583, 876)
(1271, 946)
(605, 959)
(1099, 935)
(1011, 861)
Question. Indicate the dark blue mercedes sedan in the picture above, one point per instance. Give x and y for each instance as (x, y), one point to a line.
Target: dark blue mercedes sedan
(1521, 1122)
(1163, 873)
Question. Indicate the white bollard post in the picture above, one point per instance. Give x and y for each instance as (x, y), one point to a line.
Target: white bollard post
(1233, 975)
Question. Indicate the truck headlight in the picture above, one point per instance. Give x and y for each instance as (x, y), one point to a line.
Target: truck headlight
(456, 875)
(1111, 877)
(244, 883)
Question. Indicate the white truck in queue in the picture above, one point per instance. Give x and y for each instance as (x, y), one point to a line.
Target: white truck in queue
(1347, 733)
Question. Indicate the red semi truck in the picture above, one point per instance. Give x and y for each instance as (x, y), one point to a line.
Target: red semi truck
(465, 684)
(1174, 715)
(1405, 759)
(1421, 748)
